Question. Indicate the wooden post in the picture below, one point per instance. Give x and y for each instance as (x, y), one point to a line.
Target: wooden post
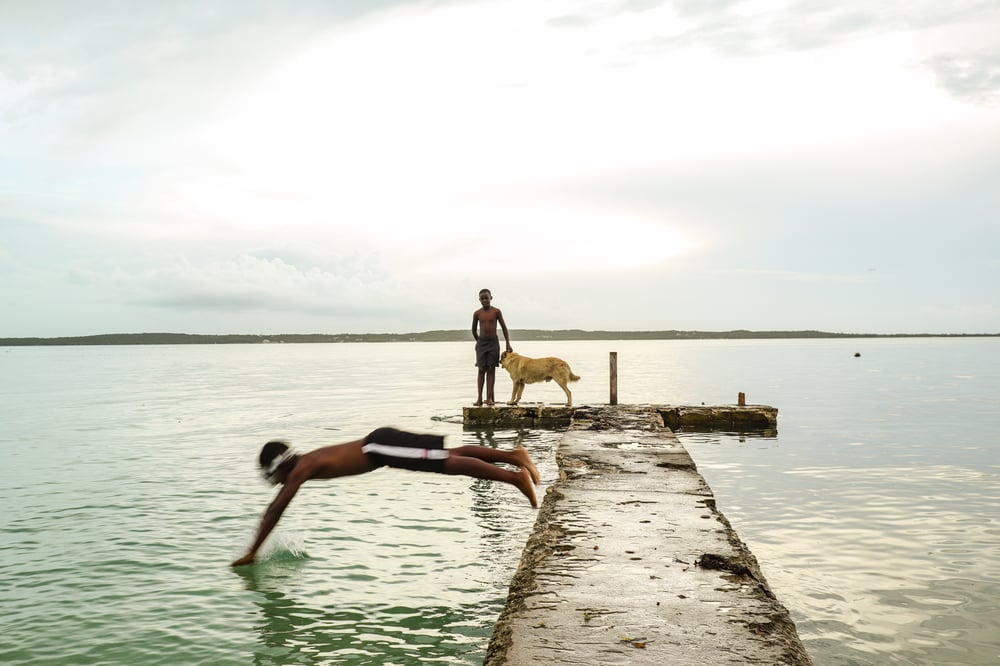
(614, 379)
(741, 400)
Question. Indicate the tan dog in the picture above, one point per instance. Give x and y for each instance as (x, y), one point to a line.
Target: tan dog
(524, 370)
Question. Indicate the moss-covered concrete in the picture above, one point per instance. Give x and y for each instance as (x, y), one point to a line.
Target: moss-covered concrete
(715, 417)
(631, 563)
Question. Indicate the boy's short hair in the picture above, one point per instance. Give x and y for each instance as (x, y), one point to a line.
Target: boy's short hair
(271, 450)
(485, 291)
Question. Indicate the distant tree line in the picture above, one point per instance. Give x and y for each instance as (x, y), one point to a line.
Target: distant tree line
(449, 336)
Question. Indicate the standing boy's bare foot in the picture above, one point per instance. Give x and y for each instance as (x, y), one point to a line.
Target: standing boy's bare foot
(524, 461)
(477, 403)
(525, 485)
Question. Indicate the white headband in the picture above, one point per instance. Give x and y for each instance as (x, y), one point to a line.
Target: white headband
(287, 455)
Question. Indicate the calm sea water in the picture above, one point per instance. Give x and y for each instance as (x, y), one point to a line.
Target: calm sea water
(130, 484)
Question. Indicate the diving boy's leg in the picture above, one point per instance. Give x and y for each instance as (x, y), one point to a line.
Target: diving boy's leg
(480, 469)
(525, 462)
(526, 486)
(519, 457)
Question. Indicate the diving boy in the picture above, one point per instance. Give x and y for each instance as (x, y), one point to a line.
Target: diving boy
(384, 447)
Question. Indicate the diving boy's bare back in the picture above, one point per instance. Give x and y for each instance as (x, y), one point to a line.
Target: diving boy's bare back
(348, 459)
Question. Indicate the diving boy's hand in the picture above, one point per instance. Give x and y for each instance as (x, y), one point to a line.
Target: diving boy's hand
(246, 559)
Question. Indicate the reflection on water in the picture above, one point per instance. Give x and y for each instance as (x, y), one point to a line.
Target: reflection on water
(845, 548)
(297, 630)
(429, 567)
(131, 485)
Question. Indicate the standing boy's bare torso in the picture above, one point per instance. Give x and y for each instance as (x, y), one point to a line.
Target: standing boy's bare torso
(487, 319)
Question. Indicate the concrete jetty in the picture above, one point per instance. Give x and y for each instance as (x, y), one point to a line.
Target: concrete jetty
(630, 562)
(735, 418)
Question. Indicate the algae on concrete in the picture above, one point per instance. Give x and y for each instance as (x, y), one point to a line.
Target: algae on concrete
(631, 563)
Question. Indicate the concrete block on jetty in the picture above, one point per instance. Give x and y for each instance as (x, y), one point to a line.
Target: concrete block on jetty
(736, 418)
(528, 415)
(631, 563)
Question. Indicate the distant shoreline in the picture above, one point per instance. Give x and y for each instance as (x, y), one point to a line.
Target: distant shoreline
(525, 335)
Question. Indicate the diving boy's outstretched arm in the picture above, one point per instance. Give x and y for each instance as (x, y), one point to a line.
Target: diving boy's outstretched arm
(268, 521)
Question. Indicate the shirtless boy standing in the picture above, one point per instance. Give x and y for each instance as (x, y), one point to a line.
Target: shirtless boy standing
(484, 330)
(384, 447)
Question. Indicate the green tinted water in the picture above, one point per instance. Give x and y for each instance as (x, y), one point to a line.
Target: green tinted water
(130, 484)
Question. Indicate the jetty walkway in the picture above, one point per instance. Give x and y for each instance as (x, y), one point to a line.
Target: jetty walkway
(629, 561)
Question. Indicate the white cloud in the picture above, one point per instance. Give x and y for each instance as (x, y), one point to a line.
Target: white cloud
(240, 159)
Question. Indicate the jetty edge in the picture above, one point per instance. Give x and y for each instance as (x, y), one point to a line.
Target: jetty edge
(630, 562)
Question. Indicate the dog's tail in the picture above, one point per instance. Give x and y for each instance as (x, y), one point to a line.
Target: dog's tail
(572, 377)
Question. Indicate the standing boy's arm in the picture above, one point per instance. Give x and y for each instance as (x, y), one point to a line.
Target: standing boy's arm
(506, 335)
(271, 517)
(475, 325)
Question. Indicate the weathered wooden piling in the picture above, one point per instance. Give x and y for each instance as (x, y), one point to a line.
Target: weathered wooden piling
(613, 398)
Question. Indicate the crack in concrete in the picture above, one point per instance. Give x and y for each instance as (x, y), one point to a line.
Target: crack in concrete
(596, 539)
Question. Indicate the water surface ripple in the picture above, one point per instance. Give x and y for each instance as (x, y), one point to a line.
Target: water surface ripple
(130, 485)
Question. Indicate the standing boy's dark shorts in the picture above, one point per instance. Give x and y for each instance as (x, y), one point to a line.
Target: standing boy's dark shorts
(405, 450)
(488, 352)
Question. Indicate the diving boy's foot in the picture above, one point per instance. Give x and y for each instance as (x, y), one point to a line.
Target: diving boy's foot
(525, 485)
(524, 461)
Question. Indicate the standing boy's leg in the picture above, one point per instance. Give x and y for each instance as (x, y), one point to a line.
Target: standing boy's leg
(480, 380)
(491, 378)
(483, 361)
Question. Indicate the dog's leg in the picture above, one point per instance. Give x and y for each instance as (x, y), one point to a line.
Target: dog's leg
(569, 395)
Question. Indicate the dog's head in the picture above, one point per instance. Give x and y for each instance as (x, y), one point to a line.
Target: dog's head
(506, 357)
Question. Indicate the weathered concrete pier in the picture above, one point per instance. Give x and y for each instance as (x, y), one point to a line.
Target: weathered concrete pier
(629, 561)
(736, 418)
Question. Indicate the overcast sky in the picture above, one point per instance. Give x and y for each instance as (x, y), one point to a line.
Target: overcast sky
(359, 166)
